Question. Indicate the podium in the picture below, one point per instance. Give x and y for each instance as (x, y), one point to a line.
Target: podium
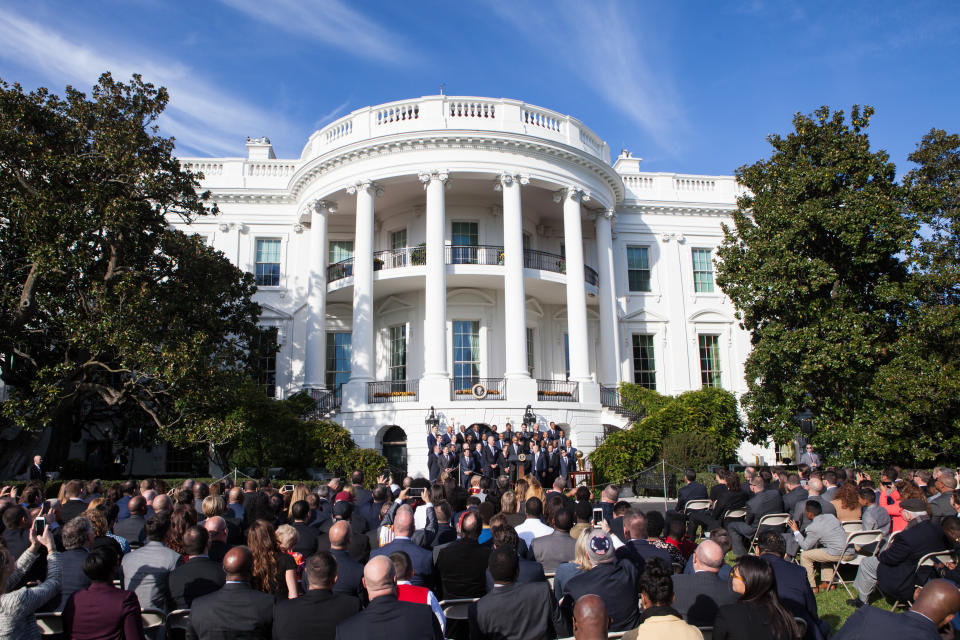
(579, 479)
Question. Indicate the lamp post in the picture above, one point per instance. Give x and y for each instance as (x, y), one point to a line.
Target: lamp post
(431, 420)
(529, 418)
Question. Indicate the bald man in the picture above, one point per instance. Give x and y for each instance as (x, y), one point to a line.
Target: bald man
(933, 608)
(699, 595)
(218, 530)
(420, 558)
(590, 619)
(236, 609)
(386, 618)
(349, 571)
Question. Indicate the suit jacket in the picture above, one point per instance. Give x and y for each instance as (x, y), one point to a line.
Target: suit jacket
(743, 620)
(538, 464)
(873, 623)
(812, 459)
(72, 508)
(235, 611)
(793, 498)
(349, 574)
(387, 618)
(692, 491)
(940, 507)
(698, 596)
(518, 610)
(73, 578)
(420, 558)
(795, 594)
(897, 575)
(196, 577)
(37, 473)
(313, 616)
(554, 549)
(131, 529)
(146, 572)
(433, 466)
(766, 502)
(461, 567)
(491, 458)
(467, 463)
(104, 612)
(616, 583)
(307, 538)
(637, 552)
(432, 441)
(728, 500)
(359, 548)
(530, 571)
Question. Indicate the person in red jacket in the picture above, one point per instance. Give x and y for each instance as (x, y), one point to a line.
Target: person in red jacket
(409, 592)
(102, 610)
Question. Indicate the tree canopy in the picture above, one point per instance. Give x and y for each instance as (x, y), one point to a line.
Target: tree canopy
(843, 277)
(105, 311)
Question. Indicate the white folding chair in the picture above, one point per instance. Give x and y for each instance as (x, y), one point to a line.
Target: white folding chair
(50, 623)
(849, 526)
(178, 619)
(769, 520)
(152, 618)
(855, 539)
(733, 514)
(696, 505)
(457, 608)
(938, 557)
(550, 575)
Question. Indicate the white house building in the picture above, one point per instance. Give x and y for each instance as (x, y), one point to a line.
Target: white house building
(420, 248)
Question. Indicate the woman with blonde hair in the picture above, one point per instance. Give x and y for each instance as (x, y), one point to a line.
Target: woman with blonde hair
(509, 509)
(535, 491)
(581, 563)
(288, 538)
(274, 571)
(300, 492)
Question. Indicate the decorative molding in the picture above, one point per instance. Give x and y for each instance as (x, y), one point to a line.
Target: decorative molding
(426, 177)
(365, 185)
(573, 192)
(298, 228)
(506, 179)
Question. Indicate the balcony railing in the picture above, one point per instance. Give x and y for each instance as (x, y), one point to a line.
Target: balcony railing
(557, 391)
(610, 398)
(478, 389)
(392, 391)
(488, 255)
(328, 401)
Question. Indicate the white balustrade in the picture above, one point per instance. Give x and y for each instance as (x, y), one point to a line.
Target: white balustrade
(338, 130)
(543, 119)
(270, 169)
(397, 113)
(472, 110)
(206, 168)
(699, 185)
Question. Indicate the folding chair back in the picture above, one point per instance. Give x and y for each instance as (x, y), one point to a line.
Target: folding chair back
(457, 609)
(855, 539)
(152, 618)
(550, 575)
(734, 513)
(769, 520)
(50, 623)
(178, 619)
(696, 505)
(849, 526)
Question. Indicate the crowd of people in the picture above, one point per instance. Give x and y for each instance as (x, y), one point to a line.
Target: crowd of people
(344, 561)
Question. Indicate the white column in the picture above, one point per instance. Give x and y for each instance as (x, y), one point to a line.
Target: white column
(608, 359)
(576, 283)
(314, 357)
(361, 349)
(514, 299)
(435, 321)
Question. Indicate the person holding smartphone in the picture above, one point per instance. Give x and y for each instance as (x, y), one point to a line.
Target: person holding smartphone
(18, 606)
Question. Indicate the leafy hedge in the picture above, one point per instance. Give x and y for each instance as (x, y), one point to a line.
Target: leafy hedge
(693, 429)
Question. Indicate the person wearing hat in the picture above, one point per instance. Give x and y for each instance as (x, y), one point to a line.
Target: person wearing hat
(614, 581)
(894, 570)
(940, 505)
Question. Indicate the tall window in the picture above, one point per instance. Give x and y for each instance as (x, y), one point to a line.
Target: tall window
(340, 250)
(266, 347)
(398, 353)
(338, 359)
(566, 356)
(702, 271)
(638, 268)
(466, 353)
(709, 360)
(464, 236)
(530, 351)
(268, 262)
(398, 242)
(644, 364)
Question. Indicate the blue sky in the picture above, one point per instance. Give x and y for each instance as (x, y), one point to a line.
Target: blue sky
(691, 87)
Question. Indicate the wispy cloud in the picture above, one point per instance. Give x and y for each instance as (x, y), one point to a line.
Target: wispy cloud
(333, 23)
(333, 114)
(204, 118)
(603, 48)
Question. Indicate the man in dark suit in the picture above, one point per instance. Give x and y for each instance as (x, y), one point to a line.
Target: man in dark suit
(795, 493)
(894, 570)
(763, 502)
(132, 528)
(361, 495)
(935, 606)
(448, 436)
(433, 463)
(371, 510)
(217, 546)
(307, 536)
(553, 466)
(77, 540)
(513, 609)
(74, 505)
(420, 558)
(699, 595)
(691, 490)
(387, 618)
(792, 585)
(359, 548)
(538, 462)
(504, 536)
(940, 505)
(102, 610)
(36, 469)
(492, 460)
(236, 609)
(316, 614)
(349, 571)
(467, 467)
(461, 564)
(433, 438)
(199, 575)
(612, 579)
(638, 549)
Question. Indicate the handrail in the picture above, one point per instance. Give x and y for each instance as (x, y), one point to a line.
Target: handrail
(557, 391)
(392, 391)
(493, 389)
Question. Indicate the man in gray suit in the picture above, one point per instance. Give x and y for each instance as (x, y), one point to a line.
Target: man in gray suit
(146, 571)
(874, 516)
(700, 594)
(763, 502)
(940, 506)
(799, 514)
(810, 457)
(558, 547)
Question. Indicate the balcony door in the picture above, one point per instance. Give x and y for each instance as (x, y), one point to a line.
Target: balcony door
(464, 239)
(466, 353)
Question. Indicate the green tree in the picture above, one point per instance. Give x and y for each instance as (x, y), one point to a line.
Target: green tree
(815, 265)
(103, 308)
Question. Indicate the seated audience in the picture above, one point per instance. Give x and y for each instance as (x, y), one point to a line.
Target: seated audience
(677, 538)
(236, 610)
(287, 538)
(823, 543)
(638, 548)
(590, 619)
(873, 516)
(934, 608)
(407, 592)
(847, 502)
(699, 596)
(421, 559)
(581, 562)
(316, 614)
(758, 614)
(583, 512)
(503, 535)
(274, 571)
(218, 531)
(534, 614)
(660, 619)
(533, 527)
(146, 570)
(794, 493)
(18, 602)
(307, 536)
(132, 528)
(102, 610)
(763, 502)
(198, 575)
(557, 547)
(792, 586)
(691, 490)
(77, 542)
(614, 581)
(460, 565)
(722, 538)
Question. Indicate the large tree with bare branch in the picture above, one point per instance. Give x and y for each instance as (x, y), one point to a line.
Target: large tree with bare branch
(103, 306)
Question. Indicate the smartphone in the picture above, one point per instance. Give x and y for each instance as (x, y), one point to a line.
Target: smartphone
(597, 516)
(287, 487)
(415, 492)
(39, 524)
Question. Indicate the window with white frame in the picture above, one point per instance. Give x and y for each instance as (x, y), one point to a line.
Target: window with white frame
(709, 360)
(268, 262)
(339, 251)
(464, 238)
(530, 353)
(338, 359)
(466, 353)
(398, 245)
(638, 268)
(266, 346)
(703, 271)
(644, 363)
(398, 353)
